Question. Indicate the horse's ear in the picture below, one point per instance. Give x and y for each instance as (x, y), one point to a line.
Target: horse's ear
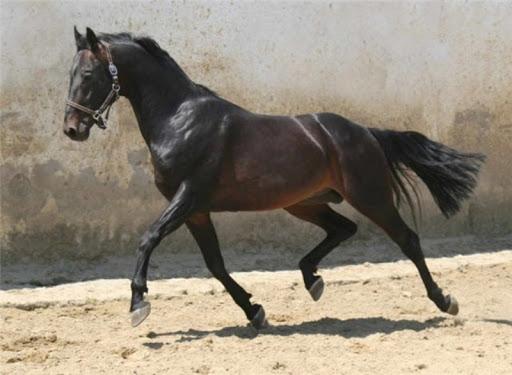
(92, 39)
(81, 42)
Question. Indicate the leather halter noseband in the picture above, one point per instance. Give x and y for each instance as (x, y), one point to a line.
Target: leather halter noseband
(113, 95)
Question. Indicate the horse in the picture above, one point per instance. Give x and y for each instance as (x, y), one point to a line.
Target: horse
(211, 155)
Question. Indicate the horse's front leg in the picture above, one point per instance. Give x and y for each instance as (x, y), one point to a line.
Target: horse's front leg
(171, 219)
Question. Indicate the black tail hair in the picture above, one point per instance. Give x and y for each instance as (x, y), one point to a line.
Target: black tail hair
(450, 175)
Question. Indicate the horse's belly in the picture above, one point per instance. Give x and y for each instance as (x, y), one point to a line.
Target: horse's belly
(269, 183)
(267, 193)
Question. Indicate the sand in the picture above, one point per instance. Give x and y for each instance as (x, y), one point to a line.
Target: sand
(372, 318)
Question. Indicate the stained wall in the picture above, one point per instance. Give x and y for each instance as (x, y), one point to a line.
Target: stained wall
(443, 69)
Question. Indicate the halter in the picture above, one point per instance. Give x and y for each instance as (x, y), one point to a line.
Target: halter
(113, 95)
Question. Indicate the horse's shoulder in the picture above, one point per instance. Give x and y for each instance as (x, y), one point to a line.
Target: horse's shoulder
(197, 129)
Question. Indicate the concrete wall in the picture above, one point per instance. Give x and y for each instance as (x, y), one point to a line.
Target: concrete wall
(440, 68)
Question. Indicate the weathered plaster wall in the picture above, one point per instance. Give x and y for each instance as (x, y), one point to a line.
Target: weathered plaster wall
(440, 68)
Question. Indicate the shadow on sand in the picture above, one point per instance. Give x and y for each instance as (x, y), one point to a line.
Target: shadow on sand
(347, 328)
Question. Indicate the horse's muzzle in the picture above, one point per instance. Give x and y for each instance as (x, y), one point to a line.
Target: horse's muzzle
(77, 131)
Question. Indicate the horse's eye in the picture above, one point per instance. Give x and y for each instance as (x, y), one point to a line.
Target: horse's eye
(87, 74)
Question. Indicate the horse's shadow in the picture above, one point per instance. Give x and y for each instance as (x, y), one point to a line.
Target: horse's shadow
(347, 328)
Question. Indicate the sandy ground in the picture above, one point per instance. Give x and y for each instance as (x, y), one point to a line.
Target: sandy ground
(372, 318)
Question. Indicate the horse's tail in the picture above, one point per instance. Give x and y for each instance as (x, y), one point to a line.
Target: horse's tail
(450, 175)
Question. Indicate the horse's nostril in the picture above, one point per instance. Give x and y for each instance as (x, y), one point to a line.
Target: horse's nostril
(70, 132)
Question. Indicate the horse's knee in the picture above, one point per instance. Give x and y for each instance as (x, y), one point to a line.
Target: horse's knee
(149, 240)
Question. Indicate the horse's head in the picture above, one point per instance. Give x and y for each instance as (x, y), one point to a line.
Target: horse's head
(93, 86)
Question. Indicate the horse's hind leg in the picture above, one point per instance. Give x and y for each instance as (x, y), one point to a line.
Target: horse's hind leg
(366, 184)
(202, 230)
(387, 217)
(337, 227)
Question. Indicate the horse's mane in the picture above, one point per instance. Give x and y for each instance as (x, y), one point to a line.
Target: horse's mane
(153, 49)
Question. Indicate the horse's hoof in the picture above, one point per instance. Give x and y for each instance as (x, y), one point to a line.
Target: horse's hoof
(259, 321)
(140, 313)
(316, 290)
(453, 307)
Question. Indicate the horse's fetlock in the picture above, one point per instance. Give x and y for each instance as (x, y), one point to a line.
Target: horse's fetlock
(139, 287)
(305, 265)
(435, 294)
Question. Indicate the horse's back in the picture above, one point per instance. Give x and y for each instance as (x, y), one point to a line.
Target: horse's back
(271, 162)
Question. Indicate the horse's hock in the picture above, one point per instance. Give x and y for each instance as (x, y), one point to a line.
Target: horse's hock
(438, 69)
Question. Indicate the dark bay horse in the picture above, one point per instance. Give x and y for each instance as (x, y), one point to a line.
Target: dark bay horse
(211, 155)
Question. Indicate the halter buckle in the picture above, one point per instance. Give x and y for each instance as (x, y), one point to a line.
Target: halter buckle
(112, 69)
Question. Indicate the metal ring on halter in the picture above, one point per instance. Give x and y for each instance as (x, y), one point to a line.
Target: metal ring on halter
(116, 87)
(96, 115)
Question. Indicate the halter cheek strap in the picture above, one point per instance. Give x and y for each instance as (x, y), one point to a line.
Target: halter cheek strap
(113, 95)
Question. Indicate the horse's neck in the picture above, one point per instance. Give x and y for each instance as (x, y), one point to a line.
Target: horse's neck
(155, 94)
